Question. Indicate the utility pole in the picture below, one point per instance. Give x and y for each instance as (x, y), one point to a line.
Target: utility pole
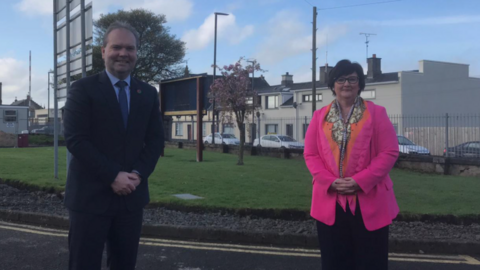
(314, 61)
(367, 35)
(29, 85)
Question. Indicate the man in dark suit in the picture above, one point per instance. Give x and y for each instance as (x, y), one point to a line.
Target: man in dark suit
(114, 131)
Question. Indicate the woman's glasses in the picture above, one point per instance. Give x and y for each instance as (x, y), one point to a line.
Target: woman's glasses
(351, 80)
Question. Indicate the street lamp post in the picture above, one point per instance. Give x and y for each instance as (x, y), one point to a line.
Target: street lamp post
(258, 131)
(253, 99)
(214, 72)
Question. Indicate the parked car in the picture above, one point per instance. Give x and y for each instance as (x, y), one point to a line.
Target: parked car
(467, 150)
(43, 130)
(408, 147)
(37, 131)
(24, 131)
(222, 139)
(278, 141)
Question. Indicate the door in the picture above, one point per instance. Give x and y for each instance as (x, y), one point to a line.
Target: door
(276, 142)
(218, 139)
(289, 129)
(189, 132)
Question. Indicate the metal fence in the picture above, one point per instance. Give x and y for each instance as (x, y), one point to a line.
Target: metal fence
(460, 134)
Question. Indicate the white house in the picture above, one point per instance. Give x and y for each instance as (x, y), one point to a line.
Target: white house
(13, 119)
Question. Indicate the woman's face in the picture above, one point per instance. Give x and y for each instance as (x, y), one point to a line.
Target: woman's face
(346, 87)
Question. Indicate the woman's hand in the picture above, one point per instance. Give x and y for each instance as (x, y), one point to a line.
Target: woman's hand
(345, 186)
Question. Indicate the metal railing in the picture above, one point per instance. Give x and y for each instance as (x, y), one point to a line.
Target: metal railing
(424, 134)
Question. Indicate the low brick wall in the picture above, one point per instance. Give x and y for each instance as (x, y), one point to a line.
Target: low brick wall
(440, 165)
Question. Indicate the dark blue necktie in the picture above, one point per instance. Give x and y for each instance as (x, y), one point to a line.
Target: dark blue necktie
(122, 100)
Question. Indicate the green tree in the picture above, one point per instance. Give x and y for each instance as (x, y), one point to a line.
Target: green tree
(160, 54)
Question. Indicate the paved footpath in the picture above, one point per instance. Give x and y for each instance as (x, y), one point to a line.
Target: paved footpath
(29, 247)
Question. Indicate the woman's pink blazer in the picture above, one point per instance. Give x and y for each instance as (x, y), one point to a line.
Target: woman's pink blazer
(371, 159)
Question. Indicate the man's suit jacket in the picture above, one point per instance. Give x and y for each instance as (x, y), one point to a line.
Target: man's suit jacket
(373, 156)
(101, 146)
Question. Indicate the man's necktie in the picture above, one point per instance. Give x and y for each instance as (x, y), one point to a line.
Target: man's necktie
(122, 99)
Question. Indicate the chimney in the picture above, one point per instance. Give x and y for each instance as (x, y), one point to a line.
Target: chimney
(287, 80)
(324, 70)
(0, 93)
(374, 67)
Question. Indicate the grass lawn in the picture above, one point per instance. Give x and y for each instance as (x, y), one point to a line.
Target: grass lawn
(261, 183)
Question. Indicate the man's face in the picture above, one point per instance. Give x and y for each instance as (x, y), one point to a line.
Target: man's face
(120, 54)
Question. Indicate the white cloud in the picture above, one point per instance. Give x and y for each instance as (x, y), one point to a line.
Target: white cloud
(178, 10)
(14, 78)
(227, 28)
(287, 36)
(434, 21)
(35, 7)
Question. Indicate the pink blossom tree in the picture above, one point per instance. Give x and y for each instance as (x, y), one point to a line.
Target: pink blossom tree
(235, 97)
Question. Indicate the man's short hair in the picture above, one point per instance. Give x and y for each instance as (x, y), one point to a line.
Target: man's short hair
(120, 25)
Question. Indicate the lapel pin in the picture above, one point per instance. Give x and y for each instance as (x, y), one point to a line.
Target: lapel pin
(139, 91)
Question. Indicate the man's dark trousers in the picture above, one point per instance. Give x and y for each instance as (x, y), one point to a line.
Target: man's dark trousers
(118, 228)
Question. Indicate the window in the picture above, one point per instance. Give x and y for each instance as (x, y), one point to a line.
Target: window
(271, 102)
(308, 98)
(204, 129)
(178, 129)
(9, 116)
(271, 129)
(368, 94)
(404, 141)
(249, 100)
(228, 129)
(474, 145)
(305, 127)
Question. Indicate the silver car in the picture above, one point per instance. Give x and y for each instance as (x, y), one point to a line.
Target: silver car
(408, 147)
(222, 139)
(278, 141)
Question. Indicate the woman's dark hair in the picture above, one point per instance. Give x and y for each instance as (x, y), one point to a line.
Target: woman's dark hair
(343, 68)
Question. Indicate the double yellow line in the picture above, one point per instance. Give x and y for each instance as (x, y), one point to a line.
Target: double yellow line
(297, 252)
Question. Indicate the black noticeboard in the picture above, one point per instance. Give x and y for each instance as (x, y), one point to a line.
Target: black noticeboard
(179, 96)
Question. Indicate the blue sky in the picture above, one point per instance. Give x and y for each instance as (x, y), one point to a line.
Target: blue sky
(277, 33)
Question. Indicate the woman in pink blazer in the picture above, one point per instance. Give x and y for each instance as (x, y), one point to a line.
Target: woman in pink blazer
(350, 148)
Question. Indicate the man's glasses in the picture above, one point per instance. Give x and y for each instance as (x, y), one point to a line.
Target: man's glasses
(351, 80)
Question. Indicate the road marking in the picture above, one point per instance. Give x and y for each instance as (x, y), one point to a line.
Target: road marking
(265, 250)
(229, 245)
(34, 231)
